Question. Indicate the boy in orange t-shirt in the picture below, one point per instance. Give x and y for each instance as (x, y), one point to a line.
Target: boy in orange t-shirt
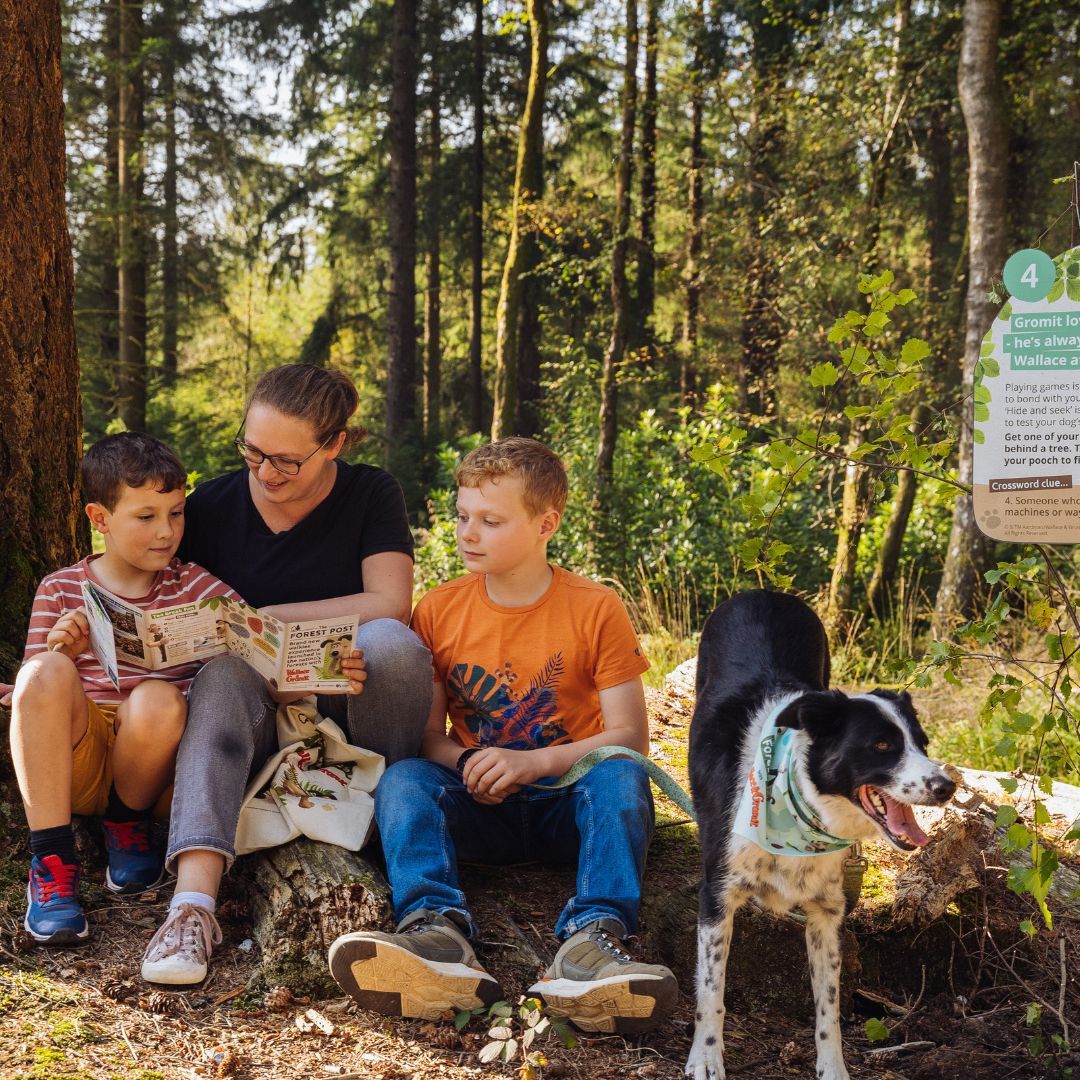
(536, 667)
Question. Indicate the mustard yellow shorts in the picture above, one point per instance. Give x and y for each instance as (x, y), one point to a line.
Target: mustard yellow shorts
(91, 763)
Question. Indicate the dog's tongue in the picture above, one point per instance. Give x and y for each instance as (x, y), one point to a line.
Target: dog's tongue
(900, 821)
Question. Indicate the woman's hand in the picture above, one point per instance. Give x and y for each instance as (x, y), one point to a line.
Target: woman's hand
(354, 668)
(497, 772)
(70, 634)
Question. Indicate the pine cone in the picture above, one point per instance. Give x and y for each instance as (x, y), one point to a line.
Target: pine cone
(229, 1064)
(442, 1036)
(278, 999)
(157, 1001)
(118, 990)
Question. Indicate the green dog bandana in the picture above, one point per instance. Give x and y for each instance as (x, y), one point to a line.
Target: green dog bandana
(772, 813)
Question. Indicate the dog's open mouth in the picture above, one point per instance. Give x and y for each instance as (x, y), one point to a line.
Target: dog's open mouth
(896, 818)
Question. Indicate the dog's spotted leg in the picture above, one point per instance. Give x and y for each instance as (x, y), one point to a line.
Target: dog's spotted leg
(823, 924)
(706, 1060)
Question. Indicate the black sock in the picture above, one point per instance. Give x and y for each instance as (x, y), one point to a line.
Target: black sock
(59, 840)
(118, 810)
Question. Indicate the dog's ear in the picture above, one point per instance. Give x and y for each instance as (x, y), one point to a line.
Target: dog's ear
(902, 698)
(814, 712)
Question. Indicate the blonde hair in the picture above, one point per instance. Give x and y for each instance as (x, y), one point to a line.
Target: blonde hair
(324, 398)
(540, 469)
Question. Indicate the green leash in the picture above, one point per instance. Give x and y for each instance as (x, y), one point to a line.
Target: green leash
(660, 778)
(854, 864)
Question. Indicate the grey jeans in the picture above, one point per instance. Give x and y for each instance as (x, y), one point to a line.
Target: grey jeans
(231, 731)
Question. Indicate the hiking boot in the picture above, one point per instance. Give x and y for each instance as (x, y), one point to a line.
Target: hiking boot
(179, 953)
(598, 986)
(134, 864)
(426, 969)
(53, 913)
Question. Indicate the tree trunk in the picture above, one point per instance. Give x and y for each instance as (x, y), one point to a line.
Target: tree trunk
(609, 385)
(476, 236)
(529, 392)
(943, 299)
(401, 369)
(857, 486)
(433, 295)
(761, 328)
(688, 350)
(644, 328)
(529, 157)
(892, 110)
(302, 896)
(970, 552)
(109, 335)
(888, 556)
(853, 509)
(170, 268)
(131, 382)
(42, 526)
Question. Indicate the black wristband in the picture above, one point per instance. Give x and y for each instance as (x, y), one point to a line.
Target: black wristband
(464, 757)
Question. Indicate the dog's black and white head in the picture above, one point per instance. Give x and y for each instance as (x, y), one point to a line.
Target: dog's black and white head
(865, 759)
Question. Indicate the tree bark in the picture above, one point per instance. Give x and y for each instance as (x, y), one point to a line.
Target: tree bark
(857, 485)
(645, 330)
(892, 110)
(401, 369)
(888, 556)
(609, 385)
(476, 225)
(529, 158)
(109, 334)
(41, 527)
(760, 332)
(688, 350)
(853, 510)
(970, 552)
(170, 268)
(302, 896)
(433, 294)
(131, 381)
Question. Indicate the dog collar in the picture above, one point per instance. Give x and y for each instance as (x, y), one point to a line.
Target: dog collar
(772, 812)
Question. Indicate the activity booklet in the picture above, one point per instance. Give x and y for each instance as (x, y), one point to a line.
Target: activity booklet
(301, 656)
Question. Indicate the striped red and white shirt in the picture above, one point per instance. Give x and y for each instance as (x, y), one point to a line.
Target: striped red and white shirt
(61, 591)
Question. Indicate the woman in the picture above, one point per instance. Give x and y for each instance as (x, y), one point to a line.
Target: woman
(306, 536)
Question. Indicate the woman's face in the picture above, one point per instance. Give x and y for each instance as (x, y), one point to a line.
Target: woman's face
(275, 434)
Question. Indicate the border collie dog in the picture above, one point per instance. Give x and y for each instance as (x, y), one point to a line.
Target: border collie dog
(786, 776)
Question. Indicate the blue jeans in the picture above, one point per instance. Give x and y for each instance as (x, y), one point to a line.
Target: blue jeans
(232, 730)
(428, 821)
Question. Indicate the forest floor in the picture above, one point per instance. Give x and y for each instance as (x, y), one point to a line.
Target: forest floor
(85, 1013)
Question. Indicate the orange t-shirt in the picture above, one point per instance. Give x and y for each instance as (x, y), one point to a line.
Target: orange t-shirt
(529, 676)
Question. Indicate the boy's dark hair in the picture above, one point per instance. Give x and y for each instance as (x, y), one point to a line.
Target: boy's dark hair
(540, 469)
(129, 459)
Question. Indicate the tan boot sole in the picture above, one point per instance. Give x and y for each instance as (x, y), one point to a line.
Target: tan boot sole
(388, 979)
(622, 1004)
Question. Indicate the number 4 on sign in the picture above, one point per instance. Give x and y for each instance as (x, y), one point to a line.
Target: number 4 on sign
(1029, 275)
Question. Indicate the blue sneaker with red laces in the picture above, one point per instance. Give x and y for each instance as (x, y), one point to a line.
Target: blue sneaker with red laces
(134, 864)
(53, 914)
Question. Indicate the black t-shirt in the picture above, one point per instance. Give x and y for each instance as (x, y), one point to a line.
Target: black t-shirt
(317, 558)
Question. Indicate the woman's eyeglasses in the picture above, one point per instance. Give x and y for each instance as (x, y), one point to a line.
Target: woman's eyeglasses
(288, 466)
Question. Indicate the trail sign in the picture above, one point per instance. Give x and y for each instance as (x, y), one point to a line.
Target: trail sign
(1027, 406)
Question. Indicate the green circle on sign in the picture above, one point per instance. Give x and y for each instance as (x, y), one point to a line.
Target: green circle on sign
(1029, 274)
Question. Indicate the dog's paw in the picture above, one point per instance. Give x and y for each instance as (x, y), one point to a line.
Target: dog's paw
(831, 1069)
(705, 1062)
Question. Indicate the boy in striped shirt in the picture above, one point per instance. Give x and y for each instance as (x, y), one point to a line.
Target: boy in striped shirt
(79, 745)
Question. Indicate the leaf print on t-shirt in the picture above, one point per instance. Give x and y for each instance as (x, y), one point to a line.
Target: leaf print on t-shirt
(498, 717)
